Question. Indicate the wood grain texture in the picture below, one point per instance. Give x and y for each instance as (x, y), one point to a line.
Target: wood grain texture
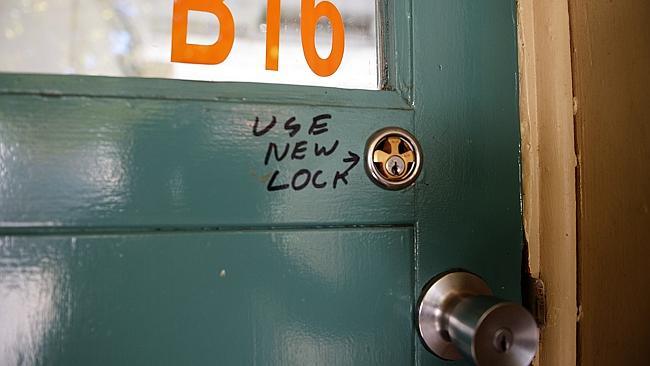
(611, 56)
(549, 164)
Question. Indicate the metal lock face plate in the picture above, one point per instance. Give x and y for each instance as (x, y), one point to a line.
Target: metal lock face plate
(393, 158)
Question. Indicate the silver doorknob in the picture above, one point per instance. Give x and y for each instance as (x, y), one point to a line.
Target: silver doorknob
(458, 316)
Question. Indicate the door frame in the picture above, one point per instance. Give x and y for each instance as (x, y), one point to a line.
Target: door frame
(549, 166)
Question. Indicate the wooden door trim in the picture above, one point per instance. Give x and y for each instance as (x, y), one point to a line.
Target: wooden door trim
(185, 90)
(548, 170)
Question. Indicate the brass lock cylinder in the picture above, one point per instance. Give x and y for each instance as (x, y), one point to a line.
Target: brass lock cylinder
(393, 158)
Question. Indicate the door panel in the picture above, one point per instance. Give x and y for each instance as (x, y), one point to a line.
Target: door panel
(76, 161)
(318, 297)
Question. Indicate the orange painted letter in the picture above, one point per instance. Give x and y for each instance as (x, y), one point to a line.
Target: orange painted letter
(310, 15)
(272, 34)
(201, 54)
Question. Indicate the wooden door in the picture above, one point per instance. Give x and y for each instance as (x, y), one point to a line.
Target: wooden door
(139, 224)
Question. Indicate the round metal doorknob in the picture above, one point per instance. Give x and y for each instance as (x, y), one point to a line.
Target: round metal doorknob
(458, 316)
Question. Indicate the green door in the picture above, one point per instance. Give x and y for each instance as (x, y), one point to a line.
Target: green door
(147, 221)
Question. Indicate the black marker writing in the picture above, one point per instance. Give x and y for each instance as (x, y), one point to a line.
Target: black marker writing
(294, 128)
(319, 128)
(314, 180)
(303, 178)
(278, 156)
(266, 129)
(303, 174)
(354, 159)
(299, 150)
(271, 187)
(323, 151)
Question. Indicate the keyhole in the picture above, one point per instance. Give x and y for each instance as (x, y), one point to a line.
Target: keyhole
(502, 340)
(503, 346)
(395, 166)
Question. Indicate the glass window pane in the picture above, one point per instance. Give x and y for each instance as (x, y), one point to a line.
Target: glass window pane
(134, 37)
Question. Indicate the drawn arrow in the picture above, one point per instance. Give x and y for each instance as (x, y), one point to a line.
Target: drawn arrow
(354, 159)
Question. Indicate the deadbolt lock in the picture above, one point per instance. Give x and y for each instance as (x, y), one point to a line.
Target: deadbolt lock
(393, 158)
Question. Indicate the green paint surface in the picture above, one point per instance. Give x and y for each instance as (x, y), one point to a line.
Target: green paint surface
(123, 200)
(317, 297)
